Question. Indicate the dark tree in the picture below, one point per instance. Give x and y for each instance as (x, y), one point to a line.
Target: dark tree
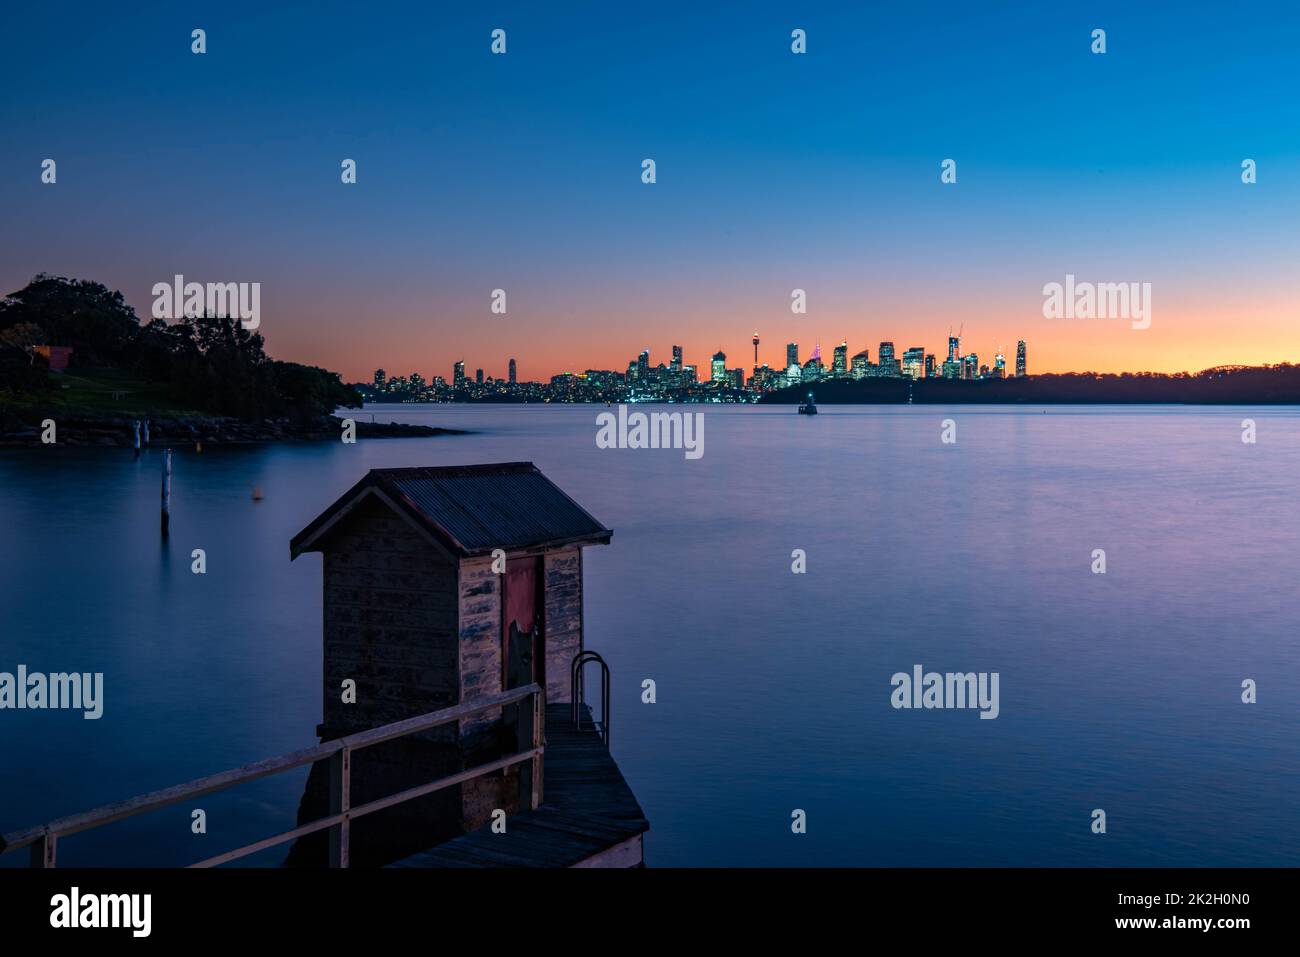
(86, 315)
(210, 363)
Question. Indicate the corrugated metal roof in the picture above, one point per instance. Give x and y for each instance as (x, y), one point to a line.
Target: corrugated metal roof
(474, 509)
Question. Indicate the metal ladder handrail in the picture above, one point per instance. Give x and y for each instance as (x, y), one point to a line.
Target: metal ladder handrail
(578, 692)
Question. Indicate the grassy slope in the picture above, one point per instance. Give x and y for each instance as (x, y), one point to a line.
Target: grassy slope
(96, 392)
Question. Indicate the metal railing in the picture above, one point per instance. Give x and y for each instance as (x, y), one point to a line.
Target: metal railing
(578, 693)
(43, 839)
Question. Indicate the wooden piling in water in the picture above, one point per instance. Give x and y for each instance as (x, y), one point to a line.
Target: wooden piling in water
(166, 491)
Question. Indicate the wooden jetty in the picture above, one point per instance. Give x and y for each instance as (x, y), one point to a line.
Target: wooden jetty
(453, 606)
(589, 818)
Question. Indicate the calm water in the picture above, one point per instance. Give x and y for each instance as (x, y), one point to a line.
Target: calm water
(1118, 691)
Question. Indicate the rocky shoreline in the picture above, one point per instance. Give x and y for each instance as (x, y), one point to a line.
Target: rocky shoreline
(119, 431)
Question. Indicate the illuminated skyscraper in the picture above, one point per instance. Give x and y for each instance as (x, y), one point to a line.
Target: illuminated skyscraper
(512, 371)
(858, 365)
(1020, 359)
(999, 366)
(755, 350)
(840, 361)
(458, 374)
(643, 365)
(676, 364)
(380, 378)
(885, 358)
(719, 369)
(954, 347)
(792, 354)
(929, 365)
(914, 362)
(478, 376)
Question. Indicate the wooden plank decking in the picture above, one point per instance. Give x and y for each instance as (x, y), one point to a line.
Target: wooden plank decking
(588, 812)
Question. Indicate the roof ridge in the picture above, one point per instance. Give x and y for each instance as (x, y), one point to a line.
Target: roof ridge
(441, 471)
(471, 509)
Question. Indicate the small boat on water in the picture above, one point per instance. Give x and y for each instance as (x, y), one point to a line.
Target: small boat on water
(808, 407)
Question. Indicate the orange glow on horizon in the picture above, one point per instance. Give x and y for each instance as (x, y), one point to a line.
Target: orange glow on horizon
(1187, 343)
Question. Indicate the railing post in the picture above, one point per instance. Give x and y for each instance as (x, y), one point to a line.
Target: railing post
(539, 736)
(604, 703)
(340, 803)
(577, 691)
(43, 851)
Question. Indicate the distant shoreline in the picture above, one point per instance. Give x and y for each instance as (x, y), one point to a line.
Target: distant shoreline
(115, 431)
(981, 400)
(1223, 385)
(1254, 386)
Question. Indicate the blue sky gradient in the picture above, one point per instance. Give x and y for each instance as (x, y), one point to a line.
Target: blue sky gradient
(775, 171)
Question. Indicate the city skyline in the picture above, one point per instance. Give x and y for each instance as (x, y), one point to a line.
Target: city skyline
(916, 362)
(1014, 357)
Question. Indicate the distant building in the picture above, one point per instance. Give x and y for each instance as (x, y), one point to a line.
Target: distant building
(56, 356)
(719, 370)
(381, 380)
(478, 376)
(929, 365)
(458, 374)
(999, 366)
(885, 359)
(914, 362)
(840, 361)
(643, 365)
(791, 354)
(970, 366)
(737, 378)
(1020, 359)
(954, 348)
(755, 350)
(858, 365)
(513, 377)
(676, 365)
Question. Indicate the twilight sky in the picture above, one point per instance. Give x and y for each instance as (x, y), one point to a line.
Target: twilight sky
(775, 171)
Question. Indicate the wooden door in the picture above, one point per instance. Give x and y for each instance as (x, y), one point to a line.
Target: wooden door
(522, 659)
